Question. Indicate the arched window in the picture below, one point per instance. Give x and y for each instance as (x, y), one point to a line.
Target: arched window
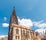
(23, 31)
(27, 34)
(17, 31)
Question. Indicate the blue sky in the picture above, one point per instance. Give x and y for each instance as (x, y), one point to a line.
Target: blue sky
(35, 10)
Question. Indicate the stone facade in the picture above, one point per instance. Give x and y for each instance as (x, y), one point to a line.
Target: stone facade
(21, 33)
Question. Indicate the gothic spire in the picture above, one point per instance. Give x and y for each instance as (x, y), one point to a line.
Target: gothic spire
(14, 17)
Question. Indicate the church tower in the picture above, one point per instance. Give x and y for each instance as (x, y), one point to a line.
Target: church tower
(16, 31)
(13, 20)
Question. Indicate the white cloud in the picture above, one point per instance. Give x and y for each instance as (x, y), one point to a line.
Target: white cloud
(40, 24)
(40, 30)
(2, 36)
(5, 24)
(25, 22)
(30, 23)
(5, 18)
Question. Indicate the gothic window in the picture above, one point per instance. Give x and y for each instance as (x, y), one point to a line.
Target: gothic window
(16, 37)
(23, 31)
(27, 34)
(17, 31)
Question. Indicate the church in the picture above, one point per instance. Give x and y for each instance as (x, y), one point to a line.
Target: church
(18, 32)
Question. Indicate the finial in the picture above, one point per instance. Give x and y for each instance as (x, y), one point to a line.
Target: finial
(13, 7)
